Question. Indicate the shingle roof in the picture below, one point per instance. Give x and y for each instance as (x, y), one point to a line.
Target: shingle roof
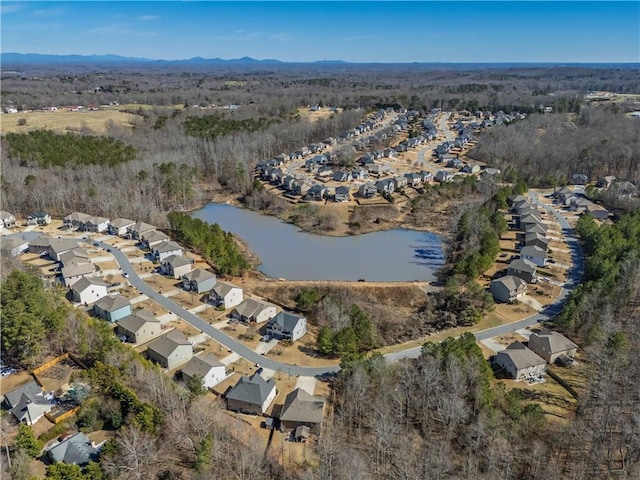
(198, 275)
(300, 406)
(552, 342)
(522, 266)
(41, 241)
(77, 216)
(121, 222)
(253, 389)
(60, 245)
(511, 282)
(521, 356)
(222, 288)
(86, 282)
(533, 251)
(167, 247)
(133, 323)
(286, 320)
(155, 235)
(142, 227)
(74, 269)
(76, 449)
(250, 307)
(111, 303)
(167, 343)
(177, 261)
(30, 389)
(201, 365)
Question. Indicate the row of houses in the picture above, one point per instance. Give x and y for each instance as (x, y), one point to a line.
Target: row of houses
(533, 245)
(575, 202)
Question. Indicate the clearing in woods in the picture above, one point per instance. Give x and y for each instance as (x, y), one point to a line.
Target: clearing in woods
(64, 121)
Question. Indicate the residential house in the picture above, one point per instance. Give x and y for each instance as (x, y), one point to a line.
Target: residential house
(400, 182)
(58, 246)
(539, 228)
(379, 169)
(170, 350)
(27, 403)
(75, 220)
(579, 179)
(342, 194)
(166, 249)
(606, 182)
(112, 308)
(139, 230)
(75, 256)
(72, 272)
(523, 269)
(7, 220)
(224, 294)
(414, 180)
(579, 204)
(287, 326)
(299, 187)
(198, 281)
(325, 171)
(88, 290)
(470, 169)
(520, 362)
(287, 183)
(40, 245)
(386, 186)
(176, 266)
(564, 195)
(207, 367)
(120, 226)
(535, 255)
(342, 176)
(427, 177)
(551, 345)
(492, 172)
(454, 163)
(39, 218)
(508, 289)
(516, 199)
(535, 239)
(96, 224)
(75, 449)
(302, 409)
(252, 310)
(443, 176)
(13, 246)
(153, 238)
(139, 327)
(598, 212)
(389, 153)
(360, 174)
(368, 190)
(252, 395)
(316, 193)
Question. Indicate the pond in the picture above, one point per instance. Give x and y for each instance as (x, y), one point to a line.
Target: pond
(288, 252)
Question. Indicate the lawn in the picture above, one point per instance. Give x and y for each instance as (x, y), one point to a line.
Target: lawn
(64, 121)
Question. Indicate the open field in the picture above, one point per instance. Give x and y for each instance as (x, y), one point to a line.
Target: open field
(308, 114)
(64, 121)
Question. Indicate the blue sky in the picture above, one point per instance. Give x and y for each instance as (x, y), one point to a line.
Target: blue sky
(370, 31)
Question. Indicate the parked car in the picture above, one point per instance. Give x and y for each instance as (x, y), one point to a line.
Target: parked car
(260, 370)
(125, 274)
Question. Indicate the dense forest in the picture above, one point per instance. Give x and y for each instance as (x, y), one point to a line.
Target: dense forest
(442, 415)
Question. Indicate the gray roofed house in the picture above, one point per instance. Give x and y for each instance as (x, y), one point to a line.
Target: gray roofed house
(287, 326)
(112, 307)
(176, 266)
(386, 186)
(153, 238)
(27, 403)
(40, 245)
(342, 194)
(75, 220)
(368, 190)
(225, 295)
(89, 290)
(535, 255)
(301, 408)
(7, 220)
(523, 269)
(596, 211)
(120, 226)
(198, 280)
(138, 230)
(77, 255)
(58, 246)
(166, 249)
(13, 246)
(139, 327)
(540, 228)
(579, 179)
(39, 218)
(253, 310)
(96, 224)
(316, 192)
(170, 350)
(73, 272)
(535, 239)
(76, 449)
(508, 289)
(550, 345)
(206, 366)
(520, 362)
(251, 395)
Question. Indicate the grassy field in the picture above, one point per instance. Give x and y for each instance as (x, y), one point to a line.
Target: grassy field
(64, 121)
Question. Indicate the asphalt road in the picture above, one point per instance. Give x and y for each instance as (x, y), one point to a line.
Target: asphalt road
(214, 333)
(574, 275)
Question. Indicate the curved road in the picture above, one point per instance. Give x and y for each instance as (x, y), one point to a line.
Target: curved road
(214, 333)
(574, 274)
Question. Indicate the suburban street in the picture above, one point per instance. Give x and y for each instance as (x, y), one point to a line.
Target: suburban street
(214, 333)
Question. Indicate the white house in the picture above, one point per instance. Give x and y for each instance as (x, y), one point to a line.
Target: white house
(96, 224)
(287, 326)
(225, 295)
(252, 310)
(120, 226)
(534, 254)
(207, 367)
(166, 249)
(520, 362)
(89, 290)
(176, 266)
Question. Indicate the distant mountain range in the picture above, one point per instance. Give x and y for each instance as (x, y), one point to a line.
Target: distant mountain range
(17, 59)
